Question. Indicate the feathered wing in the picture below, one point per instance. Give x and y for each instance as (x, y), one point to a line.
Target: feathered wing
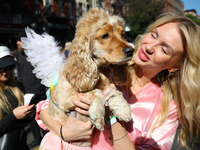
(44, 54)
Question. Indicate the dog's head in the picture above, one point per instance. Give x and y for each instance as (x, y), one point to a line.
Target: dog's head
(99, 41)
(106, 37)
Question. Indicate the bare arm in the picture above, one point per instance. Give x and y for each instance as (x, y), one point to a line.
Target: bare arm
(121, 140)
(73, 129)
(51, 124)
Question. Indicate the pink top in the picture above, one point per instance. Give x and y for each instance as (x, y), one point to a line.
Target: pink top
(145, 109)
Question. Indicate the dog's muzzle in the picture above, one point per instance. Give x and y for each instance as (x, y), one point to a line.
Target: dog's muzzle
(128, 51)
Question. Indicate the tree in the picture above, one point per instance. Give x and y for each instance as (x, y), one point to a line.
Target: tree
(142, 13)
(194, 18)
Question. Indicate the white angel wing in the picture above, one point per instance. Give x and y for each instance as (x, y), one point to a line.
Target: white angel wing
(44, 54)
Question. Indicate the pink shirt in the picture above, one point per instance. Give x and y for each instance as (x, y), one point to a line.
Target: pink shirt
(145, 106)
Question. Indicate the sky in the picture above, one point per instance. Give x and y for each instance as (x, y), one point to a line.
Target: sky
(192, 4)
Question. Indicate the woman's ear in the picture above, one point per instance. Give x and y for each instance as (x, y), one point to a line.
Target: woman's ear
(173, 69)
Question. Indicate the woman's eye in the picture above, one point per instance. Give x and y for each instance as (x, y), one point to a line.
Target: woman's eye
(164, 50)
(153, 35)
(105, 36)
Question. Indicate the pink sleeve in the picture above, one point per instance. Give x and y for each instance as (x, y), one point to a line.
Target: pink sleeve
(40, 106)
(163, 136)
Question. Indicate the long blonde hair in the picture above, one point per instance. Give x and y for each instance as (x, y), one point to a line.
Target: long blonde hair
(5, 104)
(184, 84)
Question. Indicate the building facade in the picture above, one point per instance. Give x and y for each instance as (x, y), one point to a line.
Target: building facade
(191, 12)
(59, 17)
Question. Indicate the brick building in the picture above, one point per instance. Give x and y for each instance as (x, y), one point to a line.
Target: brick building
(58, 17)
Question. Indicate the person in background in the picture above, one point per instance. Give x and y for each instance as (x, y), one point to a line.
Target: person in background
(162, 90)
(13, 114)
(30, 85)
(65, 49)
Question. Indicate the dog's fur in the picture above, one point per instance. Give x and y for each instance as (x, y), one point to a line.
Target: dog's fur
(98, 43)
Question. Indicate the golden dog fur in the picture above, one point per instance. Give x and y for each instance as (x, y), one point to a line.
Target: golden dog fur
(98, 43)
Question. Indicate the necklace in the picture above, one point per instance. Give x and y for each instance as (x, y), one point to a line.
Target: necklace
(136, 86)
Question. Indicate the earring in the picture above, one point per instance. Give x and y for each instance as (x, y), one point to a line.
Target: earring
(160, 79)
(170, 74)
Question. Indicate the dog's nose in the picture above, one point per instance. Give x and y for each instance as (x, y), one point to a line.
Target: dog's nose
(128, 51)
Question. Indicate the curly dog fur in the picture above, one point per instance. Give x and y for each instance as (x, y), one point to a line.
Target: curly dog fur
(99, 42)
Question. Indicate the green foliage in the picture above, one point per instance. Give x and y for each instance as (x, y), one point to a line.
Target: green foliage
(142, 13)
(194, 18)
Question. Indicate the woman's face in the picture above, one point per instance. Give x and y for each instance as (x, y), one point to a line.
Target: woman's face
(19, 46)
(4, 76)
(160, 49)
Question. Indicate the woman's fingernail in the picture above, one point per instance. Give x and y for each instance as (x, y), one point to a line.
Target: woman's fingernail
(73, 100)
(79, 94)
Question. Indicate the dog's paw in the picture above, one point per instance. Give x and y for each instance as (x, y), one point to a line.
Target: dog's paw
(123, 113)
(97, 117)
(97, 111)
(98, 122)
(120, 108)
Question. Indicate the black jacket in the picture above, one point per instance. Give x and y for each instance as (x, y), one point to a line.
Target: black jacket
(28, 80)
(12, 129)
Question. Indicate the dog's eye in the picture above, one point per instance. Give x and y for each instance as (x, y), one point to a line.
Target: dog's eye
(124, 36)
(105, 36)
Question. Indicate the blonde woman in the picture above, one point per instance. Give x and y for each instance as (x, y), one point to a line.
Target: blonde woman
(12, 112)
(177, 37)
(163, 90)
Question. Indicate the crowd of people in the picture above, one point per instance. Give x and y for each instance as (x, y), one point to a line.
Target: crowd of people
(18, 85)
(13, 113)
(163, 90)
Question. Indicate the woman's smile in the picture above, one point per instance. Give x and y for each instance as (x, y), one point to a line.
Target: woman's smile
(143, 56)
(160, 49)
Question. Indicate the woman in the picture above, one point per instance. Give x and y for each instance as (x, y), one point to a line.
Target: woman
(12, 111)
(163, 89)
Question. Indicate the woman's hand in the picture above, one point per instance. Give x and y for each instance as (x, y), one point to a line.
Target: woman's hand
(22, 112)
(74, 129)
(83, 105)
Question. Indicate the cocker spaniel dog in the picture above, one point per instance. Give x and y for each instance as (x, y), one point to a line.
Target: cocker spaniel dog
(98, 45)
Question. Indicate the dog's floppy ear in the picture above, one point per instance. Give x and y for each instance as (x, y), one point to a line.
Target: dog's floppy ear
(80, 70)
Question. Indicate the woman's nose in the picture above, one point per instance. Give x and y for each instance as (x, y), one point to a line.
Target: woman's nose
(150, 47)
